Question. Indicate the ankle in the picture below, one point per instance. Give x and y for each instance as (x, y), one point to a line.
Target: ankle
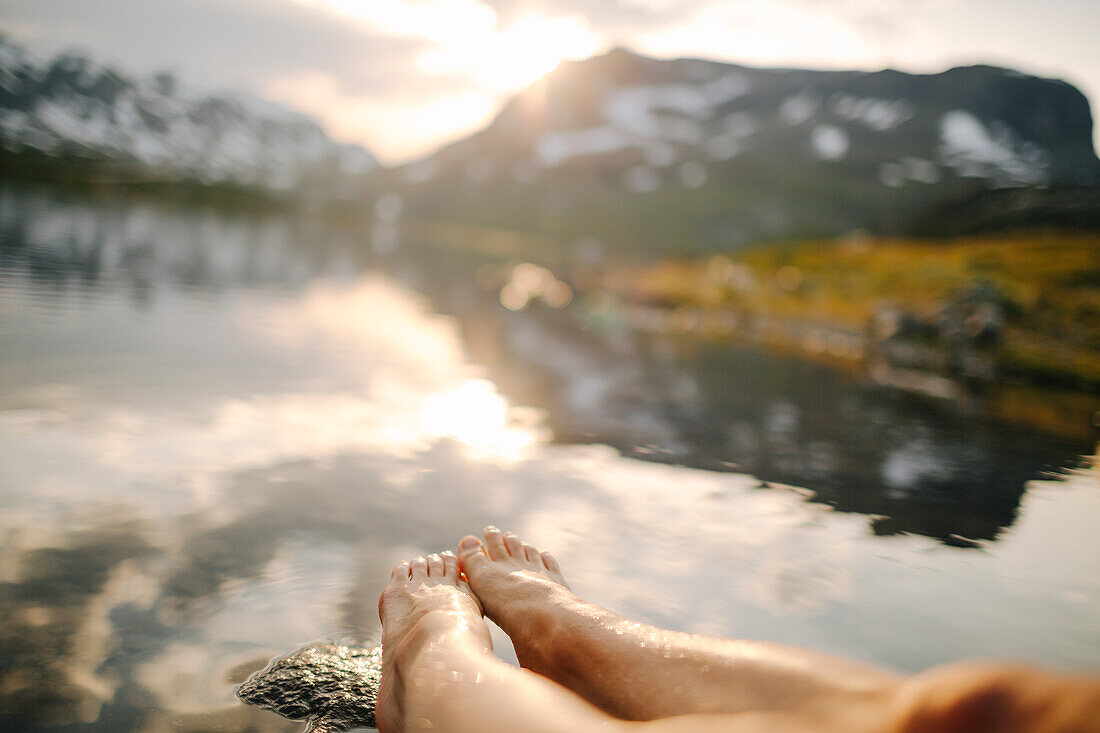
(526, 602)
(563, 635)
(539, 623)
(432, 628)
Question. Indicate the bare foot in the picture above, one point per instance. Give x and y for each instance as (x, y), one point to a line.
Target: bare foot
(425, 601)
(522, 591)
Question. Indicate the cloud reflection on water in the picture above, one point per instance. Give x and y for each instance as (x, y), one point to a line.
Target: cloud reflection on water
(273, 517)
(224, 470)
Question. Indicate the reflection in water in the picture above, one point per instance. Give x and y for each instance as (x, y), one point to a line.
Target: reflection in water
(935, 469)
(475, 415)
(220, 434)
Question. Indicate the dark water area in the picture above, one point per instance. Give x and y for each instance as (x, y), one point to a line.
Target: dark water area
(912, 463)
(218, 433)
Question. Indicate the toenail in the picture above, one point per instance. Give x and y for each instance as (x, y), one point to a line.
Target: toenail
(447, 553)
(468, 543)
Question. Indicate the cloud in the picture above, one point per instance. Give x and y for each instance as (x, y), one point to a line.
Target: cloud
(761, 32)
(617, 19)
(242, 43)
(621, 19)
(403, 76)
(355, 77)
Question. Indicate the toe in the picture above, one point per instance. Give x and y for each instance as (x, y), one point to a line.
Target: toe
(515, 547)
(530, 552)
(494, 543)
(550, 563)
(450, 564)
(471, 555)
(400, 571)
(419, 568)
(435, 566)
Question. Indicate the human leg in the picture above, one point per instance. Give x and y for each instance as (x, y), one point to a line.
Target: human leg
(439, 673)
(640, 672)
(974, 696)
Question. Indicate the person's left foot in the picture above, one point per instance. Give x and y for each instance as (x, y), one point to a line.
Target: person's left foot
(425, 600)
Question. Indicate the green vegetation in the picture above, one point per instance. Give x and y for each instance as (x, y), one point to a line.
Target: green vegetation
(1044, 288)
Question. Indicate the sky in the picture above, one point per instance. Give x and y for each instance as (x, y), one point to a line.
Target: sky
(403, 77)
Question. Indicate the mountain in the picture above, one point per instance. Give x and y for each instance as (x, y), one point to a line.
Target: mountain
(160, 128)
(690, 154)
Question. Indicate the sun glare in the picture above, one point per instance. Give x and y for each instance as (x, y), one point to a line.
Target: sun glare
(482, 58)
(467, 38)
(511, 58)
(475, 415)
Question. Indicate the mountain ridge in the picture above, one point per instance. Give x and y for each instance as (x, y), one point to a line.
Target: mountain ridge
(159, 127)
(627, 147)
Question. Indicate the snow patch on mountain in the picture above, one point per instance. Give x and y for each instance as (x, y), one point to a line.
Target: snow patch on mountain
(829, 142)
(798, 108)
(557, 146)
(643, 111)
(878, 114)
(976, 151)
(71, 105)
(647, 118)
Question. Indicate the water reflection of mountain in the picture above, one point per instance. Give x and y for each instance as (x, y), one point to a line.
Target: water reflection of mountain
(61, 242)
(915, 467)
(929, 468)
(165, 528)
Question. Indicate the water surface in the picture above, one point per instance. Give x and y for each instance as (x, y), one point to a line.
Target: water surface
(219, 433)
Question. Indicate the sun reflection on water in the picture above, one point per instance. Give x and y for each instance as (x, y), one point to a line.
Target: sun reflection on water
(198, 481)
(474, 414)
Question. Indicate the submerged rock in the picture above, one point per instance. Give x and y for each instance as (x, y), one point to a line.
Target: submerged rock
(333, 688)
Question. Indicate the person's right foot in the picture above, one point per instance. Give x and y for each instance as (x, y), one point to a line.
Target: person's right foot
(522, 591)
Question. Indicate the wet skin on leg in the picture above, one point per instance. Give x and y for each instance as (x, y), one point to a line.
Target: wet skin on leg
(439, 673)
(640, 672)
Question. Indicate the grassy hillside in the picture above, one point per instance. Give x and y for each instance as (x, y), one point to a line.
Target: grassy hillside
(1041, 290)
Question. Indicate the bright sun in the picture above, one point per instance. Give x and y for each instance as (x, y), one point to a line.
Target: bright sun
(511, 58)
(481, 58)
(466, 37)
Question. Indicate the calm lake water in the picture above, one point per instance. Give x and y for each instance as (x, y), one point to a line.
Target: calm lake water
(219, 433)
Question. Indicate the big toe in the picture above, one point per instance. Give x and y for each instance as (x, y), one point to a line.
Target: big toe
(471, 556)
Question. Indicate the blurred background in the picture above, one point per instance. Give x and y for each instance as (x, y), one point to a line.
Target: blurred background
(776, 319)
